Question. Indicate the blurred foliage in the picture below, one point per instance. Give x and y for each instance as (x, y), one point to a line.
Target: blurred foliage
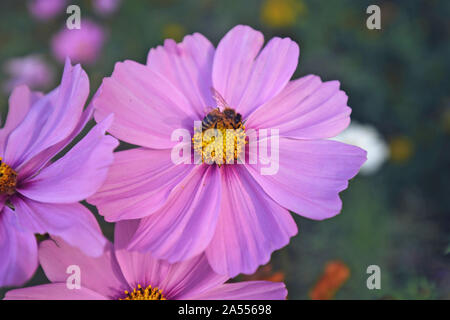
(397, 79)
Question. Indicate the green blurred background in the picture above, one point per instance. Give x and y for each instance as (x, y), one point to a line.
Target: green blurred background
(397, 80)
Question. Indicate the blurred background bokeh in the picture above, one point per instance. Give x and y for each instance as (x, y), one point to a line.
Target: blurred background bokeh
(396, 211)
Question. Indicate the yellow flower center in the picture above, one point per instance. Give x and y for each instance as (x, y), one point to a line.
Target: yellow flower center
(221, 139)
(141, 293)
(8, 179)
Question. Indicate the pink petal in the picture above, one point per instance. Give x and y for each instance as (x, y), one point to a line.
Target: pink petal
(51, 119)
(20, 102)
(188, 66)
(137, 268)
(184, 226)
(247, 81)
(53, 291)
(18, 251)
(138, 183)
(101, 274)
(311, 174)
(250, 227)
(77, 175)
(147, 106)
(271, 71)
(191, 277)
(44, 157)
(177, 281)
(250, 290)
(307, 109)
(233, 62)
(72, 222)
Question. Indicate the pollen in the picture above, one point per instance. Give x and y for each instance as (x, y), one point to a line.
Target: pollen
(221, 139)
(8, 179)
(141, 293)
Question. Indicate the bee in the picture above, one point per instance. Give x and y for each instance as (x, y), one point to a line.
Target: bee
(211, 119)
(232, 118)
(228, 118)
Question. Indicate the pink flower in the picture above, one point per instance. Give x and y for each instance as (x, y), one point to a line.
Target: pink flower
(81, 45)
(31, 70)
(46, 9)
(121, 274)
(40, 196)
(233, 213)
(106, 7)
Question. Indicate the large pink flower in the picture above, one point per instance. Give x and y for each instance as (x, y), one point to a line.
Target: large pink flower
(121, 274)
(233, 212)
(40, 196)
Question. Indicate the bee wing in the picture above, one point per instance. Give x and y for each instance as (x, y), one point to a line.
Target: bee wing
(221, 103)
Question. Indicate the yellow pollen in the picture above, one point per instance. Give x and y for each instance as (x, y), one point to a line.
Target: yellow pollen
(219, 142)
(8, 179)
(140, 293)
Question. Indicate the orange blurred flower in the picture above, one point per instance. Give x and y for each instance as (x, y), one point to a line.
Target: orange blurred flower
(334, 276)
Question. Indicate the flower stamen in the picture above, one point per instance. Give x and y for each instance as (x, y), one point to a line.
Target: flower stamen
(8, 179)
(140, 293)
(221, 139)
